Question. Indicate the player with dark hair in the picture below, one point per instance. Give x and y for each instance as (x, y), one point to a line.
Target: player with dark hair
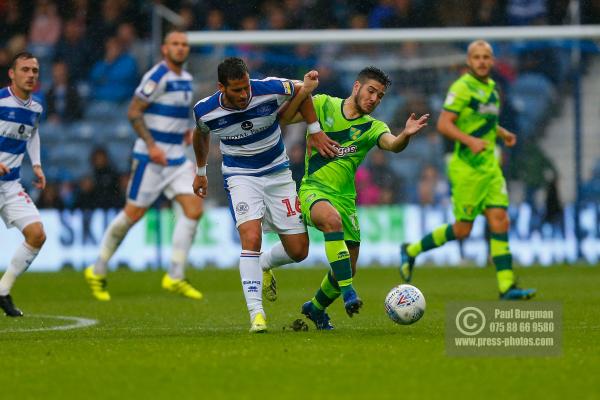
(470, 119)
(244, 114)
(328, 194)
(19, 120)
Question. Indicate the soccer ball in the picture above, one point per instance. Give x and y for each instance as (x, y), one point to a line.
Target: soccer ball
(405, 304)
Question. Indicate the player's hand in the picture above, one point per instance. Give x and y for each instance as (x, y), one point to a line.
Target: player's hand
(477, 145)
(200, 186)
(40, 183)
(510, 139)
(4, 169)
(311, 81)
(188, 136)
(157, 155)
(326, 146)
(414, 125)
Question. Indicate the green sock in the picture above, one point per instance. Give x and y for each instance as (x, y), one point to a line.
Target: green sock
(438, 237)
(502, 260)
(339, 259)
(327, 293)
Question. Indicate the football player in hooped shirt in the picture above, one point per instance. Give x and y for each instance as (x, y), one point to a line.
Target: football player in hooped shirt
(159, 114)
(243, 114)
(19, 118)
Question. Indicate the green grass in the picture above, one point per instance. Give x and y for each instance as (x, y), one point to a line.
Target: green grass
(150, 344)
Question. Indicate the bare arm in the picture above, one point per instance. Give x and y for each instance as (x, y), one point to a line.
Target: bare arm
(33, 150)
(447, 126)
(201, 142)
(396, 144)
(509, 138)
(135, 113)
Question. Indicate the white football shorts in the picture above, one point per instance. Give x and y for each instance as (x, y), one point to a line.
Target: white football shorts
(16, 207)
(271, 198)
(148, 180)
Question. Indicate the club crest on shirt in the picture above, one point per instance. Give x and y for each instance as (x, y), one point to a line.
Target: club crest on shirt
(148, 88)
(242, 208)
(449, 99)
(287, 87)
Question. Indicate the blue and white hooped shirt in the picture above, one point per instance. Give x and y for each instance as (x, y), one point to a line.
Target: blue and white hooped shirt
(167, 117)
(18, 123)
(251, 141)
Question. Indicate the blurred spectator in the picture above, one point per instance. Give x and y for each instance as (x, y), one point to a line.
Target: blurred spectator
(113, 79)
(383, 176)
(106, 181)
(85, 197)
(329, 82)
(140, 50)
(489, 13)
(432, 190)
(105, 26)
(367, 192)
(13, 21)
(532, 167)
(50, 197)
(4, 66)
(73, 49)
(62, 100)
(46, 24)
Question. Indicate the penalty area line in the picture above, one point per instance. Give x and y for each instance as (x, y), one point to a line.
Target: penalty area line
(76, 323)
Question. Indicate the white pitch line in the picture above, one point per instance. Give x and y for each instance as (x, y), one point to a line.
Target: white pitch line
(78, 323)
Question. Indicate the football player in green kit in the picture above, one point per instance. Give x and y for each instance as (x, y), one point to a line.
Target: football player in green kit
(328, 195)
(470, 119)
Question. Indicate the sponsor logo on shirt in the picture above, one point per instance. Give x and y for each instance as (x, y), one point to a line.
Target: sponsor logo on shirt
(148, 88)
(343, 151)
(247, 125)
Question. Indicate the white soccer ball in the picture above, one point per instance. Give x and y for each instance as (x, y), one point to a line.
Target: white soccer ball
(405, 304)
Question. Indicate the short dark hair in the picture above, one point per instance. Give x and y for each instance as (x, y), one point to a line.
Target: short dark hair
(25, 55)
(231, 68)
(376, 74)
(172, 30)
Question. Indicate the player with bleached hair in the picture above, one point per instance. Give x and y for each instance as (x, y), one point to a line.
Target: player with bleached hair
(19, 120)
(159, 114)
(244, 115)
(470, 119)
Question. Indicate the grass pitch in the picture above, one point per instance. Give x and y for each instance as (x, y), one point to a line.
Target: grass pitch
(152, 344)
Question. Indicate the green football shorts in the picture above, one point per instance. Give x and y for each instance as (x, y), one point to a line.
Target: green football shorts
(344, 205)
(473, 192)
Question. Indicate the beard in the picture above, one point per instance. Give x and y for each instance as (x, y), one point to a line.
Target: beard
(357, 103)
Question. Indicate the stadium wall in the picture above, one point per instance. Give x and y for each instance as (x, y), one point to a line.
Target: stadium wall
(74, 236)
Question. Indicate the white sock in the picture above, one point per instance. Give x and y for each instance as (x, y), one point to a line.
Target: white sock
(183, 236)
(23, 257)
(114, 235)
(275, 257)
(251, 275)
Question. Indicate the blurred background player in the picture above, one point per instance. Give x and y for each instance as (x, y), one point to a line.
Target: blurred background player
(470, 119)
(328, 193)
(19, 118)
(159, 113)
(243, 113)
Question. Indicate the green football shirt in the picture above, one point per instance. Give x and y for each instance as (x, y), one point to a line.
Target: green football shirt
(477, 105)
(356, 137)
